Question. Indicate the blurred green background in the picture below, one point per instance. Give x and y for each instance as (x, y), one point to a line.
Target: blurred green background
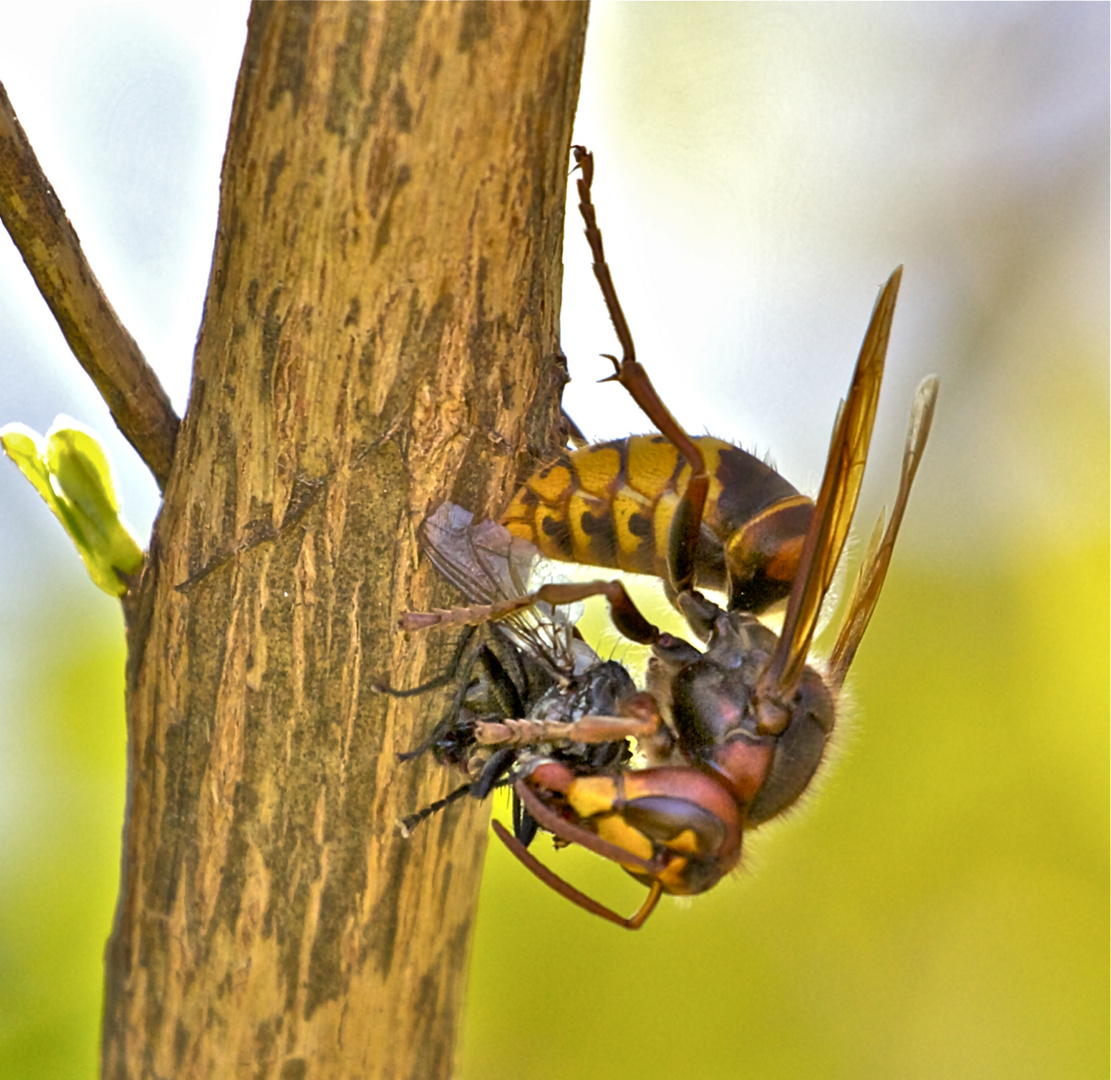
(940, 907)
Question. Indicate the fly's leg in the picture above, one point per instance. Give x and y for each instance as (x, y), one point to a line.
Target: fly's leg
(495, 774)
(452, 739)
(446, 676)
(411, 821)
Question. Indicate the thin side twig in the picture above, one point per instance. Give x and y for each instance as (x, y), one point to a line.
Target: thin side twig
(38, 225)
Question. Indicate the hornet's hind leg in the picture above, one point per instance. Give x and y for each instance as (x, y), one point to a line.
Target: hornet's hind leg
(686, 526)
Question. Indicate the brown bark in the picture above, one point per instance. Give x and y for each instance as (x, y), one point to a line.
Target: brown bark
(380, 333)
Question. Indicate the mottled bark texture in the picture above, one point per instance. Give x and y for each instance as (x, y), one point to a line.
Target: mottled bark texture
(380, 333)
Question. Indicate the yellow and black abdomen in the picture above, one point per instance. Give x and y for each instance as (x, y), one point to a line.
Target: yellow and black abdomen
(612, 504)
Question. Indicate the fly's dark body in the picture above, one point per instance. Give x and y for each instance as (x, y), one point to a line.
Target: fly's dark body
(530, 668)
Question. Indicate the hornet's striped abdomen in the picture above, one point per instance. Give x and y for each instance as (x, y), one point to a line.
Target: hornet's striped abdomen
(612, 504)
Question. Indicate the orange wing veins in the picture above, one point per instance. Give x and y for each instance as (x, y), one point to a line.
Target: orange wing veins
(836, 502)
(873, 570)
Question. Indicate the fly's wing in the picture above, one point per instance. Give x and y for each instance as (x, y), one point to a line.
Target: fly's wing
(836, 502)
(483, 561)
(869, 580)
(488, 564)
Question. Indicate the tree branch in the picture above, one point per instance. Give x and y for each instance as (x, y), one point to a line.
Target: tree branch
(37, 222)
